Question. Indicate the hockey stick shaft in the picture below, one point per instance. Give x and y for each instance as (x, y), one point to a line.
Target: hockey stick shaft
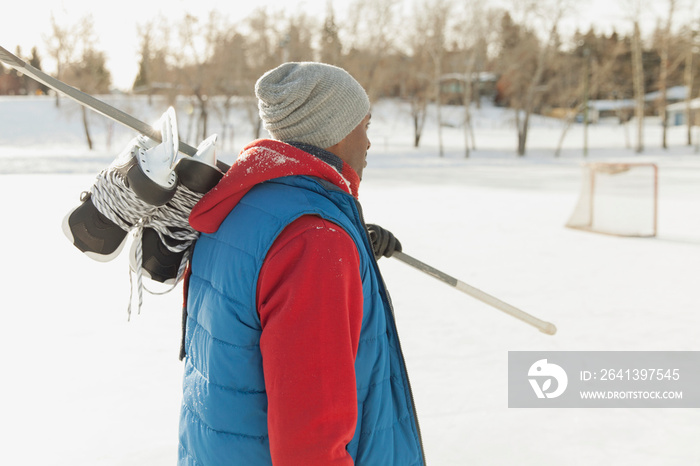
(129, 121)
(541, 325)
(87, 100)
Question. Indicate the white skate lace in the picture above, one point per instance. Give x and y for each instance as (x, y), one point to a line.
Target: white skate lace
(118, 203)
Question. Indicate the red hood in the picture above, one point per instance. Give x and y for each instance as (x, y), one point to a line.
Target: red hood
(260, 161)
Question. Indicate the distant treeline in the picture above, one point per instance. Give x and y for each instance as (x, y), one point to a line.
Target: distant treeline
(441, 51)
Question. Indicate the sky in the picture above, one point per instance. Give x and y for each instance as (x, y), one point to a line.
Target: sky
(27, 24)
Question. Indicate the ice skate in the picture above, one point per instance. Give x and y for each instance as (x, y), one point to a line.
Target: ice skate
(130, 190)
(165, 244)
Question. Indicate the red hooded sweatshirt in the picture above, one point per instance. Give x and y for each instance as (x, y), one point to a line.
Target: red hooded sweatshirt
(310, 333)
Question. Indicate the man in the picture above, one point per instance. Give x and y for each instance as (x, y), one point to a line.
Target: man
(293, 356)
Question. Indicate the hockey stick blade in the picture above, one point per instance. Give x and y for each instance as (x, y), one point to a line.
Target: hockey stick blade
(10, 59)
(544, 327)
(87, 100)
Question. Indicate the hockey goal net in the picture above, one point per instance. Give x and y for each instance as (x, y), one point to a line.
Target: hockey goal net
(618, 199)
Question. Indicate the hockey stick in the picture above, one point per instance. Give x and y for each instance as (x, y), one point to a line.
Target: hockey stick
(129, 121)
(541, 325)
(87, 100)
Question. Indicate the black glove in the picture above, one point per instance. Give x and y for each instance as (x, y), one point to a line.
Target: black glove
(384, 243)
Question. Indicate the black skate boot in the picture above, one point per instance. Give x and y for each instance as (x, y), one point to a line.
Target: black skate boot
(130, 190)
(94, 234)
(166, 243)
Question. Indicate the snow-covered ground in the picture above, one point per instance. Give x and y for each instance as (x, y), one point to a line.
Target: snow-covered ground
(82, 386)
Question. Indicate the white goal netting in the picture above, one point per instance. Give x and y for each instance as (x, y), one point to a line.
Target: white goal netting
(617, 199)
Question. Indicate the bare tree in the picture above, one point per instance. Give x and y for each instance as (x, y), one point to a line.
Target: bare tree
(634, 9)
(229, 73)
(155, 74)
(34, 86)
(688, 78)
(372, 27)
(196, 46)
(692, 47)
(430, 32)
(416, 89)
(87, 68)
(297, 38)
(270, 40)
(472, 35)
(602, 68)
(638, 78)
(331, 47)
(262, 30)
(61, 47)
(663, 76)
(262, 54)
(415, 74)
(525, 57)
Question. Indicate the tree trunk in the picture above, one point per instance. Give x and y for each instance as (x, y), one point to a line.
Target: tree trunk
(226, 123)
(190, 122)
(58, 76)
(529, 104)
(689, 88)
(416, 130)
(638, 77)
(258, 128)
(205, 120)
(418, 112)
(203, 117)
(467, 128)
(567, 125)
(663, 77)
(522, 126)
(522, 138)
(110, 134)
(438, 103)
(86, 126)
(467, 97)
(663, 98)
(586, 94)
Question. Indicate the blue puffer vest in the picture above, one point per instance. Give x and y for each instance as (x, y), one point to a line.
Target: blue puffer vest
(223, 419)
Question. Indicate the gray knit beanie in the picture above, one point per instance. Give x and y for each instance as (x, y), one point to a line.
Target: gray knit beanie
(311, 103)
